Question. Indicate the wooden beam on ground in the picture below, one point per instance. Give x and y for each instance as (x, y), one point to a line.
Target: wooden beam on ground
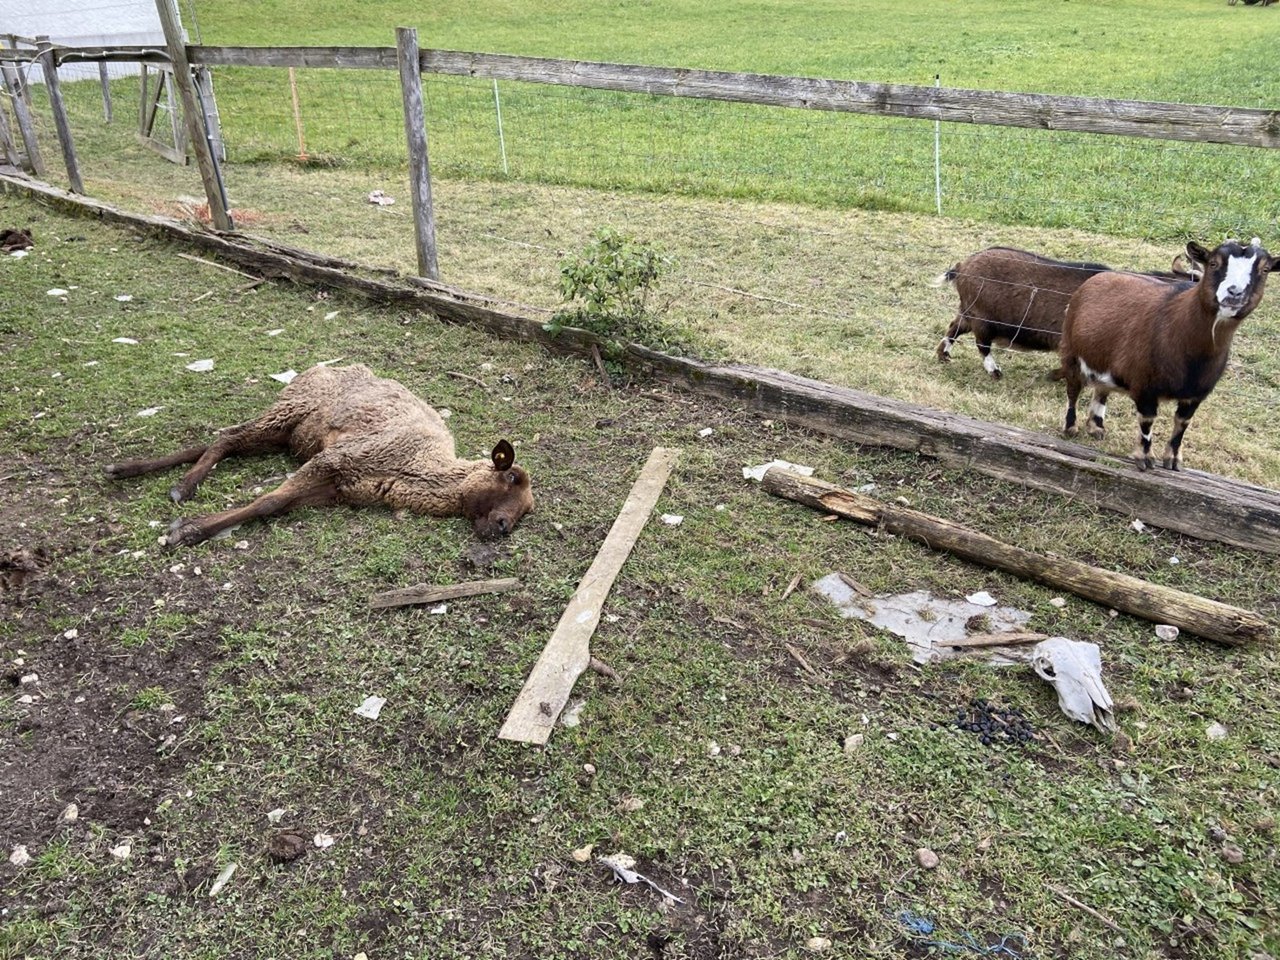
(432, 593)
(1159, 604)
(568, 652)
(1198, 504)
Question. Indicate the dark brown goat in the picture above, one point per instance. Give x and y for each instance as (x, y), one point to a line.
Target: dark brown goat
(1015, 298)
(365, 440)
(1159, 341)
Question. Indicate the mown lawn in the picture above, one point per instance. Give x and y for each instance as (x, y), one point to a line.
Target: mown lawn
(718, 762)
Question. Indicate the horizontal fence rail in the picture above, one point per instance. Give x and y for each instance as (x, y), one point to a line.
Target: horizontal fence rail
(1241, 126)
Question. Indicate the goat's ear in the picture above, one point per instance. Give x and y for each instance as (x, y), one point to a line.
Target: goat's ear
(1197, 253)
(504, 455)
(1275, 264)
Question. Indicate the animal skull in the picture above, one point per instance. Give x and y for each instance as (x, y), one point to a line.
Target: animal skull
(1075, 670)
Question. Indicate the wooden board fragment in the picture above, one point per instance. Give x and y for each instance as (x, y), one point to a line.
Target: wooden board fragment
(433, 593)
(568, 652)
(1151, 601)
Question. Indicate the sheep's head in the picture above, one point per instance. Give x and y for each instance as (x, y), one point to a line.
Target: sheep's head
(495, 500)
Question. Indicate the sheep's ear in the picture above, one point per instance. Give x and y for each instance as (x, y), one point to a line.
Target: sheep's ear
(504, 455)
(1197, 253)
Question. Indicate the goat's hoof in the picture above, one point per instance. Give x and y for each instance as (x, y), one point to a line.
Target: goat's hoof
(997, 374)
(1096, 432)
(110, 470)
(1144, 463)
(1172, 463)
(1070, 431)
(944, 356)
(177, 494)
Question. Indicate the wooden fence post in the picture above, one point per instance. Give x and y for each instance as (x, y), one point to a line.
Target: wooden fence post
(106, 90)
(60, 124)
(209, 109)
(415, 131)
(13, 86)
(214, 189)
(6, 138)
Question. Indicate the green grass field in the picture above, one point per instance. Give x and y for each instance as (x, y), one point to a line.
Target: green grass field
(182, 696)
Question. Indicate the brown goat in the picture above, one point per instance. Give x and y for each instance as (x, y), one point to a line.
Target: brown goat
(365, 440)
(1159, 341)
(1016, 298)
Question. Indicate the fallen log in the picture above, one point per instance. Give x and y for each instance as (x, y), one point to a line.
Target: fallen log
(1159, 604)
(432, 593)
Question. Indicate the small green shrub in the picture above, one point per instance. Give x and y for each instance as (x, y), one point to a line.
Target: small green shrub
(608, 285)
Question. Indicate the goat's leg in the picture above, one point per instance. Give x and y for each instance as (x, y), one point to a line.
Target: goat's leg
(1075, 383)
(314, 485)
(251, 437)
(958, 326)
(1098, 414)
(136, 468)
(1147, 407)
(1181, 420)
(988, 359)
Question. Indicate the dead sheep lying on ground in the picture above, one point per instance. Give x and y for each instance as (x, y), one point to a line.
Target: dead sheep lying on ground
(365, 440)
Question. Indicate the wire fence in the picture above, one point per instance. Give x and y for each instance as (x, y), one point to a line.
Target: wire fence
(524, 172)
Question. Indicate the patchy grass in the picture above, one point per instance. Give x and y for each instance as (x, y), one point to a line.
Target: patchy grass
(452, 843)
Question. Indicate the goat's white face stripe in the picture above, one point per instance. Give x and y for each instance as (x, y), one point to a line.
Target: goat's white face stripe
(1239, 273)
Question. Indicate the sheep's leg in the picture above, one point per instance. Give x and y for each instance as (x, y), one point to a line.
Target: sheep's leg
(1147, 408)
(314, 485)
(1075, 383)
(136, 468)
(958, 326)
(1181, 420)
(252, 437)
(1098, 414)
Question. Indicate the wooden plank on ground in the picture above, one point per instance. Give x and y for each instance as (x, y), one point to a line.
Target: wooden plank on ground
(433, 593)
(1151, 601)
(568, 652)
(1198, 504)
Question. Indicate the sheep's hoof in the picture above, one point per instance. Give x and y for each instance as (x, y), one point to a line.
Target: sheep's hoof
(184, 533)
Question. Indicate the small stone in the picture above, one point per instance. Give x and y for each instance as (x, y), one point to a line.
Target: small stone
(70, 634)
(590, 769)
(927, 858)
(242, 545)
(1215, 731)
(1058, 602)
(1166, 631)
(817, 944)
(1232, 854)
(713, 749)
(853, 742)
(583, 854)
(276, 815)
(70, 813)
(28, 679)
(122, 851)
(323, 841)
(19, 857)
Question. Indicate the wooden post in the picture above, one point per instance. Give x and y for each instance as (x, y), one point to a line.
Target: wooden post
(297, 115)
(142, 103)
(106, 90)
(14, 88)
(1151, 601)
(209, 109)
(415, 131)
(60, 124)
(6, 138)
(214, 189)
(568, 652)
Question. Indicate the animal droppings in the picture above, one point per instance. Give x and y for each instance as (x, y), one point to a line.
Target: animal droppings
(994, 724)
